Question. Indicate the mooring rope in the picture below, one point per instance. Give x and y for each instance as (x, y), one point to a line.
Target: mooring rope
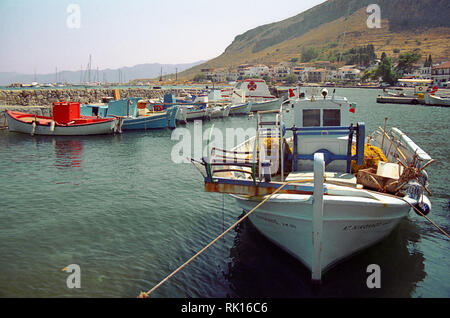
(146, 294)
(429, 220)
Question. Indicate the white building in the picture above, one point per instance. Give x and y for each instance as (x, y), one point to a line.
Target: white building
(441, 74)
(257, 71)
(348, 72)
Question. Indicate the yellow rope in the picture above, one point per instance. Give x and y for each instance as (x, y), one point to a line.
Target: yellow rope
(146, 294)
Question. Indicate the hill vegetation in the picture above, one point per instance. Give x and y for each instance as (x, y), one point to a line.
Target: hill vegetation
(336, 27)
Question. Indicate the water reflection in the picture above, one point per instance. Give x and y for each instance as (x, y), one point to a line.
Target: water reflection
(260, 269)
(68, 153)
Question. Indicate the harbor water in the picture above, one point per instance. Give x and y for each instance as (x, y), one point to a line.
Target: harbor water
(121, 209)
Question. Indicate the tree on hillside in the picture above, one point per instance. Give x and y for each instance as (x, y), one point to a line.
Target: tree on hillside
(406, 61)
(290, 79)
(309, 54)
(386, 71)
(428, 61)
(199, 77)
(363, 55)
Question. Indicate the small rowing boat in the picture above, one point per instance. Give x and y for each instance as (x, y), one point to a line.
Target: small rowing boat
(66, 121)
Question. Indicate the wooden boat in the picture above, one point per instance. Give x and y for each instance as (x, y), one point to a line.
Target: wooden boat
(134, 118)
(322, 213)
(66, 121)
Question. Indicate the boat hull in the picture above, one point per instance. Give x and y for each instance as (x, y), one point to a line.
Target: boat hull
(166, 119)
(436, 100)
(240, 109)
(220, 112)
(273, 104)
(100, 128)
(348, 227)
(198, 114)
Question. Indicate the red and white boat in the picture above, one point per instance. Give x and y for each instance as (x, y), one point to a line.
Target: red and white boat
(66, 121)
(257, 93)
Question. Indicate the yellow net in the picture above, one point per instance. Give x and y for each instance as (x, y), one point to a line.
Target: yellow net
(372, 156)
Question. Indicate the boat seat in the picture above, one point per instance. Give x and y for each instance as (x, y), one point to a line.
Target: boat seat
(346, 178)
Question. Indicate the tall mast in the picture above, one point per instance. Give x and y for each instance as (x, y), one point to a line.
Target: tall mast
(89, 74)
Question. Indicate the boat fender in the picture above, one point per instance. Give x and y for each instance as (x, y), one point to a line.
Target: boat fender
(52, 126)
(423, 205)
(33, 128)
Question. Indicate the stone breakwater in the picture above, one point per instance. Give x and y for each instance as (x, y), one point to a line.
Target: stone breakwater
(46, 97)
(39, 101)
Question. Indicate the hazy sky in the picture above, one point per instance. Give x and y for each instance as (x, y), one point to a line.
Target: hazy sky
(36, 35)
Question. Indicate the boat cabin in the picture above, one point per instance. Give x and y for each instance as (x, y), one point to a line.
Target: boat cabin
(322, 124)
(254, 89)
(126, 107)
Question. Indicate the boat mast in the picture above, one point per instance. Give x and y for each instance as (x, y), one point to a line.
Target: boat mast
(89, 70)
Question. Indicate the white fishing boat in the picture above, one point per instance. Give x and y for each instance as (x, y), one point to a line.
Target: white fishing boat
(197, 113)
(332, 198)
(433, 100)
(181, 116)
(220, 111)
(241, 109)
(257, 92)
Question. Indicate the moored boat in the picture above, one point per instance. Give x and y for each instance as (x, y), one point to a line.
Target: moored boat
(66, 121)
(241, 109)
(333, 198)
(220, 111)
(433, 100)
(134, 116)
(257, 92)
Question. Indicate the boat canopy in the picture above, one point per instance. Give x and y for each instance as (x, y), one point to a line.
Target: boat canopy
(412, 80)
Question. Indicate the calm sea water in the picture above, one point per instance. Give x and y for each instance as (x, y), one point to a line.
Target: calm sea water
(128, 216)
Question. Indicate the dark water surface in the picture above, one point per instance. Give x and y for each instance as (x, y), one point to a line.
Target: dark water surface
(128, 216)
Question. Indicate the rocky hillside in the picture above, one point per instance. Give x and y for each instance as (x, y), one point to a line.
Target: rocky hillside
(406, 25)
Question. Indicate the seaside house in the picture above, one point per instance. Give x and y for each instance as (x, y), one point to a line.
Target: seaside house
(302, 71)
(441, 74)
(348, 72)
(317, 76)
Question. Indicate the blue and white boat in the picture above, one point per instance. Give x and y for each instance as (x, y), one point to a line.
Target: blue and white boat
(132, 118)
(318, 195)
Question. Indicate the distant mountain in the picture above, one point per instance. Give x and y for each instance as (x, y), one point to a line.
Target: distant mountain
(125, 74)
(406, 25)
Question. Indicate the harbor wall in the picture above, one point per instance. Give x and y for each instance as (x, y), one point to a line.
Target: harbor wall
(39, 101)
(46, 97)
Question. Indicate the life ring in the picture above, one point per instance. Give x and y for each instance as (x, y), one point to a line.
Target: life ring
(420, 88)
(251, 86)
(157, 108)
